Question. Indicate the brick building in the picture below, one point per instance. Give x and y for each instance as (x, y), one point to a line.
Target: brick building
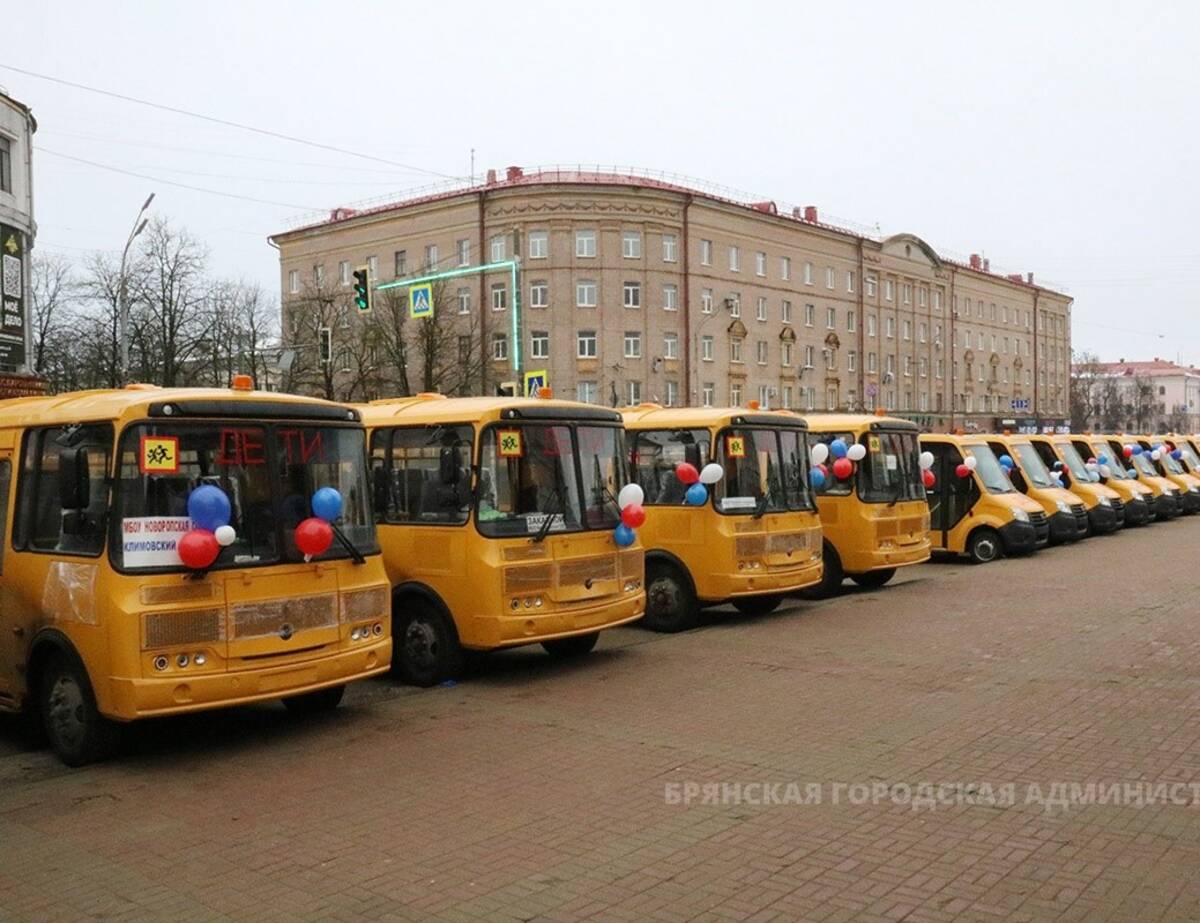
(635, 287)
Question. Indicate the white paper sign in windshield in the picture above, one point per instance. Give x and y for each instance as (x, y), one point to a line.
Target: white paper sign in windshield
(153, 541)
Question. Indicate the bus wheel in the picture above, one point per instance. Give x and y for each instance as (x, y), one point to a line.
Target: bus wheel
(874, 579)
(311, 703)
(832, 575)
(78, 733)
(564, 648)
(758, 605)
(424, 649)
(670, 603)
(984, 546)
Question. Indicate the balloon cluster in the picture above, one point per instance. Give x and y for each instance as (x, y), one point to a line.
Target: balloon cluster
(208, 508)
(1103, 465)
(629, 499)
(844, 457)
(1093, 469)
(314, 535)
(927, 476)
(966, 466)
(698, 482)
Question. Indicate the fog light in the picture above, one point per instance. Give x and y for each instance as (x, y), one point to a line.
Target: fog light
(354, 635)
(377, 629)
(528, 602)
(199, 660)
(160, 662)
(631, 585)
(537, 603)
(182, 660)
(515, 604)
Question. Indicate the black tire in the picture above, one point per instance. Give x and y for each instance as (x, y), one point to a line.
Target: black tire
(312, 703)
(566, 648)
(985, 546)
(671, 605)
(873, 579)
(757, 605)
(77, 731)
(425, 649)
(832, 575)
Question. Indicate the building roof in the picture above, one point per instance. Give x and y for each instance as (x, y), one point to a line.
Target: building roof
(20, 107)
(1146, 367)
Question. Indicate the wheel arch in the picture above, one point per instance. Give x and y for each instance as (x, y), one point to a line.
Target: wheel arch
(988, 527)
(662, 556)
(47, 643)
(414, 590)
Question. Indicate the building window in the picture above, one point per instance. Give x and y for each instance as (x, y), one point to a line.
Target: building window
(872, 363)
(809, 315)
(787, 397)
(937, 299)
(760, 263)
(908, 366)
(735, 259)
(344, 272)
(585, 243)
(785, 268)
(940, 368)
(786, 312)
(464, 252)
(499, 296)
(319, 275)
(706, 348)
(539, 294)
(831, 398)
(706, 253)
(735, 349)
(585, 293)
(633, 294)
(633, 392)
(670, 298)
(586, 344)
(907, 292)
(852, 361)
(5, 165)
(889, 290)
(464, 300)
(708, 393)
(851, 321)
(294, 281)
(922, 297)
(499, 347)
(830, 318)
(539, 245)
(735, 304)
(539, 344)
(869, 285)
(373, 267)
(633, 344)
(631, 245)
(764, 397)
(735, 394)
(672, 393)
(586, 392)
(785, 354)
(706, 301)
(400, 263)
(849, 281)
(809, 355)
(907, 329)
(889, 327)
(829, 277)
(870, 325)
(670, 346)
(431, 256)
(499, 248)
(761, 312)
(761, 349)
(670, 249)
(808, 273)
(810, 398)
(922, 331)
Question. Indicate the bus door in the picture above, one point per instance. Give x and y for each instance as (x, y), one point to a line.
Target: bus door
(951, 497)
(11, 642)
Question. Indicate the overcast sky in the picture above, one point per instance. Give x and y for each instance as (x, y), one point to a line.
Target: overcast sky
(1057, 138)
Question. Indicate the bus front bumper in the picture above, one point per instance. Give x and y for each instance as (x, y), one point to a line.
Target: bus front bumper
(1137, 512)
(1064, 527)
(524, 627)
(1102, 519)
(130, 699)
(762, 582)
(885, 558)
(1018, 537)
(1191, 502)
(1166, 506)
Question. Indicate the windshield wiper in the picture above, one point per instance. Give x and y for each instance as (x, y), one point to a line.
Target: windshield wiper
(545, 527)
(356, 555)
(761, 506)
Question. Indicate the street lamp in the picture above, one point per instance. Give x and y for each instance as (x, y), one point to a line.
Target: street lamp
(139, 225)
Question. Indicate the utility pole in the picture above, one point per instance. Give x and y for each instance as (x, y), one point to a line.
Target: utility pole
(139, 225)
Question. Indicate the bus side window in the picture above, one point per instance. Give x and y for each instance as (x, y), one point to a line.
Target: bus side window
(65, 464)
(833, 486)
(5, 485)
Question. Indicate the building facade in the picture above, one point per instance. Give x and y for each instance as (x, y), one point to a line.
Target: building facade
(633, 288)
(17, 232)
(1141, 396)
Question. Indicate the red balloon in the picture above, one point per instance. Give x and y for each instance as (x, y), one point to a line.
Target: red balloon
(687, 472)
(928, 478)
(1127, 451)
(198, 548)
(963, 471)
(843, 468)
(314, 536)
(633, 515)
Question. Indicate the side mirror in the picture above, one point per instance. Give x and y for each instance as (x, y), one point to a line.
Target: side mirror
(449, 466)
(74, 479)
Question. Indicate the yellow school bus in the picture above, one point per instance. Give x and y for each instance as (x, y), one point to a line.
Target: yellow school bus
(1105, 511)
(978, 513)
(878, 520)
(1066, 513)
(1138, 499)
(756, 537)
(101, 621)
(1168, 501)
(1173, 470)
(496, 516)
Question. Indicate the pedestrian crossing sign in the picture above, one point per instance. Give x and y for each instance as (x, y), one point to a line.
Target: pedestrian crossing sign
(535, 381)
(420, 300)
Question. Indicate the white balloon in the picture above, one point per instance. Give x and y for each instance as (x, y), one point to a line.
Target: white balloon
(819, 453)
(971, 462)
(630, 494)
(225, 535)
(926, 459)
(1156, 455)
(711, 473)
(856, 452)
(1105, 471)
(1094, 475)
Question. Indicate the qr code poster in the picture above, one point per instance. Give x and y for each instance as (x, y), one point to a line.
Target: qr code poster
(12, 276)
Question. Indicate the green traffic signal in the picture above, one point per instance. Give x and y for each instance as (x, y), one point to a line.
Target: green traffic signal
(362, 290)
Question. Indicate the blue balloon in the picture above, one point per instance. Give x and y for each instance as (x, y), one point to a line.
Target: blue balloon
(1103, 460)
(1177, 454)
(1137, 450)
(208, 507)
(697, 495)
(1006, 461)
(838, 448)
(816, 479)
(1058, 466)
(327, 504)
(624, 536)
(1132, 473)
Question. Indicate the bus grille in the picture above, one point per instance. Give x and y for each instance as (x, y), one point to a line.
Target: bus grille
(633, 564)
(787, 542)
(528, 578)
(371, 603)
(181, 627)
(750, 546)
(581, 570)
(260, 619)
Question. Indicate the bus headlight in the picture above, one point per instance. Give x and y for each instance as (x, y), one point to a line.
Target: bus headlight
(1020, 516)
(1104, 501)
(1063, 507)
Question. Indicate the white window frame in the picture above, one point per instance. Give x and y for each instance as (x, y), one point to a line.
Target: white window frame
(760, 263)
(539, 338)
(632, 344)
(670, 248)
(294, 281)
(670, 345)
(502, 289)
(499, 347)
(539, 245)
(539, 294)
(735, 259)
(464, 251)
(706, 252)
(670, 297)
(706, 348)
(631, 294)
(582, 287)
(582, 339)
(463, 299)
(631, 245)
(498, 247)
(585, 243)
(785, 268)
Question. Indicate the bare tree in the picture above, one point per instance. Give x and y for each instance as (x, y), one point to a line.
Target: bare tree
(52, 287)
(1112, 405)
(1086, 375)
(317, 315)
(1142, 403)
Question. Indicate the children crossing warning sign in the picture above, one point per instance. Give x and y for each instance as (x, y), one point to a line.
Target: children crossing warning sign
(420, 300)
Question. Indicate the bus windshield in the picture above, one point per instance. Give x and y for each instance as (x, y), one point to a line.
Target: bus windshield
(891, 470)
(1169, 463)
(1143, 464)
(1189, 455)
(269, 472)
(1116, 470)
(991, 475)
(766, 471)
(1034, 469)
(529, 484)
(1074, 463)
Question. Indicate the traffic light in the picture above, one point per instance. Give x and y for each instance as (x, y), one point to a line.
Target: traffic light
(362, 291)
(325, 345)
